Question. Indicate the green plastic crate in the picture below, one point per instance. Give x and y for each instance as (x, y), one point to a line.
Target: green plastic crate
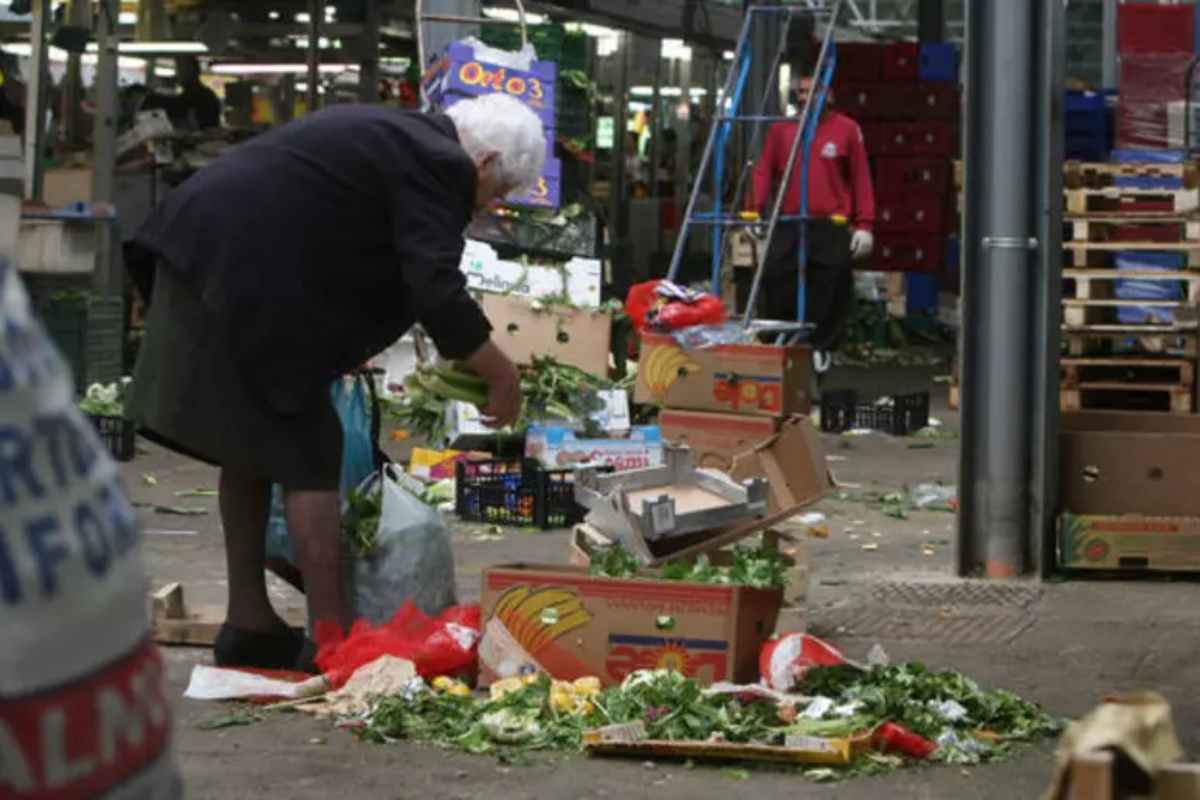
(547, 40)
(89, 332)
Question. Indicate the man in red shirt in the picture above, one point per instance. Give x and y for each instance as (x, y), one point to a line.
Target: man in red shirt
(841, 211)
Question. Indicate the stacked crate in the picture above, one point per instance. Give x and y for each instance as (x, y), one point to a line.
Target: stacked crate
(1131, 245)
(905, 97)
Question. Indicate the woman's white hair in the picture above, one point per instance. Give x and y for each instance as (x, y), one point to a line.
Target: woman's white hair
(497, 123)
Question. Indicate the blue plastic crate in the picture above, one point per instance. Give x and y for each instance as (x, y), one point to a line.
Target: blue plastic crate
(1084, 101)
(939, 62)
(1134, 289)
(1087, 147)
(1145, 155)
(1148, 182)
(922, 297)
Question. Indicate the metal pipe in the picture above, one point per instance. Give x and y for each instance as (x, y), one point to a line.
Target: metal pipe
(996, 407)
(931, 21)
(35, 101)
(316, 9)
(368, 73)
(616, 187)
(1108, 44)
(791, 165)
(1047, 289)
(108, 278)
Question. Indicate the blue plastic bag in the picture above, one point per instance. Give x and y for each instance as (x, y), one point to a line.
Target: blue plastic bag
(349, 397)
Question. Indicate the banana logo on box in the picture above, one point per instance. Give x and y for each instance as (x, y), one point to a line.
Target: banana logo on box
(663, 366)
(536, 617)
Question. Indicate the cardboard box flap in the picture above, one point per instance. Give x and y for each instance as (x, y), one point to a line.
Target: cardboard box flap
(793, 462)
(1129, 463)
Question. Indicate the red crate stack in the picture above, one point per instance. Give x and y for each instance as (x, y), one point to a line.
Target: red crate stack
(910, 128)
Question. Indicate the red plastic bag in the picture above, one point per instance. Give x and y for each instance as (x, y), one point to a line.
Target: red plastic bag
(784, 662)
(641, 299)
(443, 646)
(708, 310)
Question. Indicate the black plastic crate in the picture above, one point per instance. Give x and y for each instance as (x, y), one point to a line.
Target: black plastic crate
(118, 435)
(516, 491)
(905, 414)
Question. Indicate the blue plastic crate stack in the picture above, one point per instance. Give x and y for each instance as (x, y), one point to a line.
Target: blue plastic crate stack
(1131, 274)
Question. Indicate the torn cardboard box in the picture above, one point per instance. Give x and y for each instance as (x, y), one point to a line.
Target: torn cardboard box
(573, 336)
(715, 438)
(793, 464)
(761, 380)
(569, 624)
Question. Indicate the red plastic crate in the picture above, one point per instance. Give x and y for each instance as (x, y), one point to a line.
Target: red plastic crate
(913, 212)
(859, 62)
(1147, 233)
(870, 102)
(932, 101)
(875, 137)
(933, 138)
(909, 252)
(1148, 82)
(901, 61)
(1149, 28)
(895, 174)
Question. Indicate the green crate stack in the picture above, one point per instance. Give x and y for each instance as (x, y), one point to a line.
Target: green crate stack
(547, 40)
(88, 331)
(573, 117)
(574, 52)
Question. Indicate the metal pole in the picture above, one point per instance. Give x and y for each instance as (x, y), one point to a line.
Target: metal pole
(368, 75)
(35, 101)
(107, 279)
(996, 335)
(656, 135)
(1108, 45)
(315, 10)
(616, 187)
(1047, 288)
(931, 21)
(79, 15)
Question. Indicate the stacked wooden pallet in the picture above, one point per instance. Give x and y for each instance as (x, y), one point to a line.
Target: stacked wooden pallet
(1122, 351)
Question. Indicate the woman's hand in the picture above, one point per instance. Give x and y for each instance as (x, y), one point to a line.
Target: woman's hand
(504, 385)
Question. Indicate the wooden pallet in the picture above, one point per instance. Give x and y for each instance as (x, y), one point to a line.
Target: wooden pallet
(1098, 175)
(173, 622)
(1100, 284)
(1120, 200)
(1080, 312)
(1120, 397)
(1080, 251)
(1084, 341)
(1169, 228)
(1107, 373)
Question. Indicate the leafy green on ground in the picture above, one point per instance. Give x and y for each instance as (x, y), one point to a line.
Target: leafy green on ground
(761, 567)
(973, 725)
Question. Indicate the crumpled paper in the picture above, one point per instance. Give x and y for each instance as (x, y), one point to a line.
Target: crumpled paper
(386, 675)
(1137, 725)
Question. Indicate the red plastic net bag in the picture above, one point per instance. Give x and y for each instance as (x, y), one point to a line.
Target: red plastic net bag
(445, 645)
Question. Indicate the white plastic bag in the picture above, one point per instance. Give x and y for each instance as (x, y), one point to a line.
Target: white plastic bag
(82, 709)
(411, 559)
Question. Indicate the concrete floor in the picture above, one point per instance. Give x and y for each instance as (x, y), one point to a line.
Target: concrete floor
(1066, 645)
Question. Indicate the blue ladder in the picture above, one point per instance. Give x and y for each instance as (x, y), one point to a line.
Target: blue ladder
(712, 163)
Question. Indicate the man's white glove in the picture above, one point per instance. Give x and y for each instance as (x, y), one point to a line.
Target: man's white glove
(861, 244)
